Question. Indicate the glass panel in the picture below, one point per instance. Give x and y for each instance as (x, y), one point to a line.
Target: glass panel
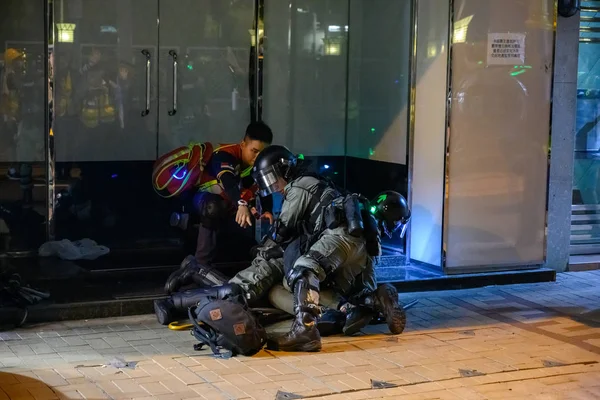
(585, 232)
(211, 41)
(378, 94)
(106, 123)
(429, 135)
(502, 55)
(105, 56)
(23, 108)
(305, 73)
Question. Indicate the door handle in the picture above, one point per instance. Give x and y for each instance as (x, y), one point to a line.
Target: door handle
(173, 54)
(146, 53)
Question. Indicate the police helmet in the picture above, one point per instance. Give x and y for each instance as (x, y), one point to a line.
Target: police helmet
(273, 168)
(392, 213)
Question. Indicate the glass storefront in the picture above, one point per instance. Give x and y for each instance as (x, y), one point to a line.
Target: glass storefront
(128, 80)
(93, 92)
(585, 219)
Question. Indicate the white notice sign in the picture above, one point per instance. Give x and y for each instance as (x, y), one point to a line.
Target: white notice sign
(506, 49)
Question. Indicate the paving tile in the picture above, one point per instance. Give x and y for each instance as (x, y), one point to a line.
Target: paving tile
(231, 390)
(51, 378)
(74, 340)
(208, 391)
(155, 388)
(185, 376)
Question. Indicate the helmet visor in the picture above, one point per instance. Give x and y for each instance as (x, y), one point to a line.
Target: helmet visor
(389, 228)
(269, 181)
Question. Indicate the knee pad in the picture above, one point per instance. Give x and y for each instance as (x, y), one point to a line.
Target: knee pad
(211, 209)
(313, 262)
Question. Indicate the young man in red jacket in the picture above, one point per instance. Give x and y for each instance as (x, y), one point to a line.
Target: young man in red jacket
(225, 190)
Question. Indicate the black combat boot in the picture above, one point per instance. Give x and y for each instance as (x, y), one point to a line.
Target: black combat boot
(191, 271)
(331, 322)
(175, 306)
(357, 317)
(303, 335)
(385, 301)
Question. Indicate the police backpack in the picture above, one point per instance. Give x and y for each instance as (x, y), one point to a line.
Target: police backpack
(226, 325)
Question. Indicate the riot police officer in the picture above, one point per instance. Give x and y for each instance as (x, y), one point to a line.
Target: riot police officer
(339, 243)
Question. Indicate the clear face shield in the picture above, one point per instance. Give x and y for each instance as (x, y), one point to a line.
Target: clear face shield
(389, 228)
(269, 181)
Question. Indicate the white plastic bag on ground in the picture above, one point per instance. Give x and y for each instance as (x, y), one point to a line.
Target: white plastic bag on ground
(84, 249)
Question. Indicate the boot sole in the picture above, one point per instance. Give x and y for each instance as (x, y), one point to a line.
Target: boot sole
(161, 316)
(395, 316)
(396, 321)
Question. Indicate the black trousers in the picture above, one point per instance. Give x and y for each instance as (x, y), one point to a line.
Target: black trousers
(219, 236)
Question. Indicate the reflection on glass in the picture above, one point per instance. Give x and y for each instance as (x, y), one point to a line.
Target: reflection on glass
(104, 57)
(205, 80)
(129, 90)
(305, 72)
(498, 140)
(337, 91)
(378, 100)
(22, 137)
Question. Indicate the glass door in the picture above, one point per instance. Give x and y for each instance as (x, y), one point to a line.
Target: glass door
(105, 72)
(205, 71)
(105, 121)
(23, 134)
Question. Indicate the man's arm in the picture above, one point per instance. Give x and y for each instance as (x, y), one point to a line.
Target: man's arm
(266, 202)
(294, 206)
(224, 167)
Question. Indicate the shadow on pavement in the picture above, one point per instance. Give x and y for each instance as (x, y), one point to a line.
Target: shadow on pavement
(24, 386)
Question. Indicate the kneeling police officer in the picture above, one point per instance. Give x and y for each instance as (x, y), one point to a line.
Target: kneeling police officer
(339, 239)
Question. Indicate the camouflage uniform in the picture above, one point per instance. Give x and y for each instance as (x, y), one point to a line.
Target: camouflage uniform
(339, 260)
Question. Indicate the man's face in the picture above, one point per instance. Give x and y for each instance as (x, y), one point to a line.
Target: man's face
(123, 72)
(250, 149)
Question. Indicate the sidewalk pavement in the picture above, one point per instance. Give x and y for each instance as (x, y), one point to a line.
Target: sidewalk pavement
(534, 341)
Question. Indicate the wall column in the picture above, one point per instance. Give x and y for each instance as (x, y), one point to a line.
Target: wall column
(564, 108)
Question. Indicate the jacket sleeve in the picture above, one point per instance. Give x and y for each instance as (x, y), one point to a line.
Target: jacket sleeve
(225, 167)
(294, 207)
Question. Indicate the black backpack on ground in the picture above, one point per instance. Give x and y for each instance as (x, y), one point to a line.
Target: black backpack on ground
(227, 325)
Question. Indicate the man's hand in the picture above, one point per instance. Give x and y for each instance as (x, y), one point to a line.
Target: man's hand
(269, 216)
(243, 217)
